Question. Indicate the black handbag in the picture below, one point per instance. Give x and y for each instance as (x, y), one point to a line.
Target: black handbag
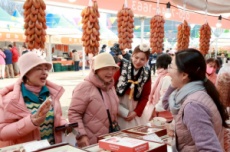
(113, 126)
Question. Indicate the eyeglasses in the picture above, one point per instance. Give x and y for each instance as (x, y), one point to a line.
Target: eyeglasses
(170, 67)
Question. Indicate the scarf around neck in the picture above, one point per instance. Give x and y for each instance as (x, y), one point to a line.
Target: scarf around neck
(177, 97)
(155, 90)
(35, 94)
(127, 77)
(96, 81)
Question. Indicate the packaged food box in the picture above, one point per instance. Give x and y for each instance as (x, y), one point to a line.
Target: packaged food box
(119, 134)
(157, 147)
(146, 130)
(126, 144)
(153, 147)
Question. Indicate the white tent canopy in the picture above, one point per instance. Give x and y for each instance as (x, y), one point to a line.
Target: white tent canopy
(213, 6)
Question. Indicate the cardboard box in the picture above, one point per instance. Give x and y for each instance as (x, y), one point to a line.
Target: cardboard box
(93, 148)
(126, 144)
(153, 147)
(157, 147)
(27, 146)
(146, 130)
(60, 147)
(119, 134)
(66, 148)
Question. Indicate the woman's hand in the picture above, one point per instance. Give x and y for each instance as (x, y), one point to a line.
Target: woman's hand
(83, 141)
(68, 129)
(131, 116)
(36, 120)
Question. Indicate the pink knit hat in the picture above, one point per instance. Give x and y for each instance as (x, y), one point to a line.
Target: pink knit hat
(30, 60)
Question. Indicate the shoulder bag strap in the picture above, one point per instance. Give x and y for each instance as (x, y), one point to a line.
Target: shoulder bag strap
(107, 109)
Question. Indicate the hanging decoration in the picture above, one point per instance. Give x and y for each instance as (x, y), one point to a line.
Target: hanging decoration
(90, 27)
(35, 23)
(157, 31)
(183, 33)
(205, 35)
(183, 36)
(125, 25)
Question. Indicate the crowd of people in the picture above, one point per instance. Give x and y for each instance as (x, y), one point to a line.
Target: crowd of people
(9, 62)
(119, 94)
(9, 56)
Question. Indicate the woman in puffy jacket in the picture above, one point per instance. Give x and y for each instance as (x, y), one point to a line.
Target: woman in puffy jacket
(92, 98)
(24, 117)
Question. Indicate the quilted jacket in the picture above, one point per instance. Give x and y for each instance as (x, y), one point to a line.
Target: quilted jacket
(89, 109)
(15, 124)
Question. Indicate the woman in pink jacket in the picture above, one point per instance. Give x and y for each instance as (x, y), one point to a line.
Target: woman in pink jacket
(92, 98)
(2, 64)
(23, 116)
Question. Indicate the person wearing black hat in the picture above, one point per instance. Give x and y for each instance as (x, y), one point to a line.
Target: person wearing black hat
(103, 48)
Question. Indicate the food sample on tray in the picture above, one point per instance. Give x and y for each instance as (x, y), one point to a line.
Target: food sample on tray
(119, 134)
(145, 130)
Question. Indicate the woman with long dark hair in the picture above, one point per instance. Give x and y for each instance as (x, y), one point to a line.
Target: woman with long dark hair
(198, 113)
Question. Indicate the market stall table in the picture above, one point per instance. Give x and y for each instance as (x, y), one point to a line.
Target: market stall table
(156, 137)
(96, 148)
